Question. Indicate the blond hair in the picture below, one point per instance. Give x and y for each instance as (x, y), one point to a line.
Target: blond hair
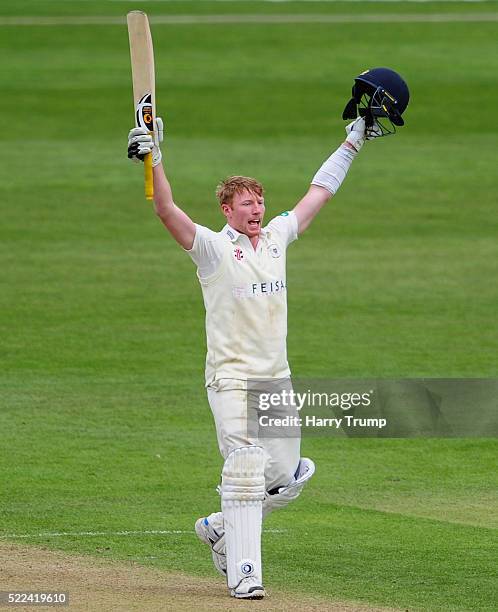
(237, 184)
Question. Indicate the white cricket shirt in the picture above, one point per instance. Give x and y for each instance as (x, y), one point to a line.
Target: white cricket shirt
(245, 296)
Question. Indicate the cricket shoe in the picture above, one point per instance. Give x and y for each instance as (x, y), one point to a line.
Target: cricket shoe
(248, 588)
(207, 534)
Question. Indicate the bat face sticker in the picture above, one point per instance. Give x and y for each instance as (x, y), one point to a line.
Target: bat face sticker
(144, 117)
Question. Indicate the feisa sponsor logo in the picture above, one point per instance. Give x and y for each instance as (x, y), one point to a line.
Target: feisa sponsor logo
(254, 290)
(268, 287)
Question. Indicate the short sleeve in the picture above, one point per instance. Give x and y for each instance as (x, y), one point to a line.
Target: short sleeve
(206, 252)
(286, 226)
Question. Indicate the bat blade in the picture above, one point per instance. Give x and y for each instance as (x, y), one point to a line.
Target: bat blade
(144, 83)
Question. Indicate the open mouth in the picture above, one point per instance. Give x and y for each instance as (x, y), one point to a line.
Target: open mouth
(254, 223)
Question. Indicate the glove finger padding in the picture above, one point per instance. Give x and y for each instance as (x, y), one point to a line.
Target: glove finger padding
(140, 143)
(356, 133)
(158, 138)
(159, 129)
(358, 125)
(133, 153)
(144, 139)
(374, 131)
(137, 131)
(136, 152)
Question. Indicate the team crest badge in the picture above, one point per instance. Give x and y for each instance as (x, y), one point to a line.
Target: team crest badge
(238, 254)
(274, 250)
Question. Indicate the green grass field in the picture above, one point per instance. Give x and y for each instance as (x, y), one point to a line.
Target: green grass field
(104, 420)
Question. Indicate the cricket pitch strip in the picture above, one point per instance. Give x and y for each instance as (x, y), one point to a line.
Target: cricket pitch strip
(101, 585)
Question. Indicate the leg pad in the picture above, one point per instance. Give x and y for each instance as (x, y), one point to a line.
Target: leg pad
(242, 494)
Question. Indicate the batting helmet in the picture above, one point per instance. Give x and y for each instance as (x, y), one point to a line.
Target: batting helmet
(378, 94)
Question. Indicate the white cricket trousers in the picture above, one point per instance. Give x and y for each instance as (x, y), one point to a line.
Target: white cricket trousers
(229, 408)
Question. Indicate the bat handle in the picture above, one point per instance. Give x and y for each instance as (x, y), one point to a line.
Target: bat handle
(149, 181)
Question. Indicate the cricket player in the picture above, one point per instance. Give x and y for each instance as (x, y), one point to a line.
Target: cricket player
(242, 273)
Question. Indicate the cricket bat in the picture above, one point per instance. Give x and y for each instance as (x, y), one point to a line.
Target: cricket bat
(144, 83)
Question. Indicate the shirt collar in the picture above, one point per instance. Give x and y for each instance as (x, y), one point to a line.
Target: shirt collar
(233, 234)
(230, 232)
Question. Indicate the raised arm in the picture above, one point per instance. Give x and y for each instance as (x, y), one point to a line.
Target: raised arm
(174, 219)
(309, 206)
(329, 177)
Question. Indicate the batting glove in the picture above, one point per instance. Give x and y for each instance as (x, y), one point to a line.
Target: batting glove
(141, 142)
(357, 133)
